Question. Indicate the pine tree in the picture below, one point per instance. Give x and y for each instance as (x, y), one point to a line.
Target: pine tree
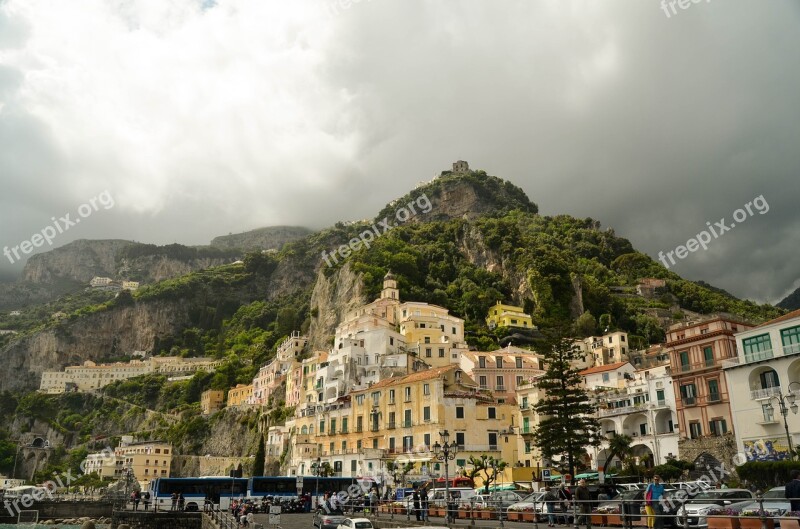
(261, 456)
(567, 417)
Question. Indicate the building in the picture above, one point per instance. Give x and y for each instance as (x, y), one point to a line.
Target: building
(697, 350)
(765, 369)
(212, 400)
(133, 286)
(91, 376)
(649, 287)
(607, 376)
(400, 418)
(642, 407)
(147, 460)
(240, 395)
(611, 348)
(502, 371)
(105, 464)
(501, 315)
(97, 282)
(460, 167)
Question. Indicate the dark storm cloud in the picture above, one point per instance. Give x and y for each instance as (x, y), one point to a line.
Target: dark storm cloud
(207, 120)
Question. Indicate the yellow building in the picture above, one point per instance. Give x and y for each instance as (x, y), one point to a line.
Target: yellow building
(240, 395)
(148, 460)
(430, 330)
(527, 396)
(502, 315)
(212, 400)
(399, 419)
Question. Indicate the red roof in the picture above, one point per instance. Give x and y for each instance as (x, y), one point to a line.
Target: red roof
(601, 369)
(787, 316)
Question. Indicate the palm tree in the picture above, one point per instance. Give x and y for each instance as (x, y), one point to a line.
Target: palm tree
(619, 445)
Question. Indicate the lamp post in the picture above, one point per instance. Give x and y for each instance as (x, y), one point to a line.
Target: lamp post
(445, 452)
(316, 469)
(784, 409)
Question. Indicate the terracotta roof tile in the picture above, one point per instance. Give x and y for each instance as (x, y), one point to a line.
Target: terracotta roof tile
(601, 369)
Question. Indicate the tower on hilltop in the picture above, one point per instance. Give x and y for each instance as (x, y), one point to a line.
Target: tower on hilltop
(390, 290)
(460, 167)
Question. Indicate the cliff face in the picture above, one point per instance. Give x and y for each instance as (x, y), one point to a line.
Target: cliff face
(79, 261)
(123, 329)
(272, 237)
(332, 298)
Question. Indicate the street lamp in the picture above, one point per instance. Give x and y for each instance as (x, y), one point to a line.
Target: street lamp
(316, 469)
(784, 409)
(445, 452)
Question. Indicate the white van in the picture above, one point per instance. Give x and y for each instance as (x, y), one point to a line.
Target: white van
(463, 495)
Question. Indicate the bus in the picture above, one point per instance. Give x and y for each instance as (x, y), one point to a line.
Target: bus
(218, 489)
(260, 486)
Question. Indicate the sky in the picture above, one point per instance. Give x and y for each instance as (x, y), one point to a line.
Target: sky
(168, 121)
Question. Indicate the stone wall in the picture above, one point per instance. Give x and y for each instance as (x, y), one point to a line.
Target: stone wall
(54, 510)
(722, 448)
(160, 520)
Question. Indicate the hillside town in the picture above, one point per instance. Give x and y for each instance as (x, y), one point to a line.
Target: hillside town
(400, 372)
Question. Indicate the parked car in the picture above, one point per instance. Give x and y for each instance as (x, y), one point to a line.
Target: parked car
(328, 520)
(775, 503)
(532, 502)
(355, 523)
(462, 494)
(502, 499)
(697, 508)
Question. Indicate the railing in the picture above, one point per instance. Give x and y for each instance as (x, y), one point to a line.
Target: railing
(766, 354)
(391, 426)
(407, 424)
(764, 393)
(714, 397)
(689, 401)
(500, 388)
(623, 410)
(792, 349)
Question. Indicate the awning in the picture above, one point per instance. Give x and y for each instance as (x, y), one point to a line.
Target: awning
(588, 475)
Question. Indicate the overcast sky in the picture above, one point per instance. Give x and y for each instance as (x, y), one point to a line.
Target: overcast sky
(203, 118)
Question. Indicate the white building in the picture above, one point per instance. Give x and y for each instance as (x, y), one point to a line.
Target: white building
(607, 376)
(100, 281)
(643, 408)
(765, 373)
(610, 348)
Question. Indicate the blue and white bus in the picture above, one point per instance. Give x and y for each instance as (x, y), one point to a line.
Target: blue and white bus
(260, 486)
(218, 489)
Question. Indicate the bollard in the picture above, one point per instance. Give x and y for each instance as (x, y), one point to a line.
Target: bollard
(760, 499)
(575, 513)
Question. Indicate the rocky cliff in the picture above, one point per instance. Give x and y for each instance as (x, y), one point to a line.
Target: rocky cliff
(272, 237)
(332, 298)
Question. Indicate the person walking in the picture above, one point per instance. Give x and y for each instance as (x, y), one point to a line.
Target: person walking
(415, 501)
(136, 498)
(584, 500)
(424, 502)
(146, 499)
(792, 490)
(181, 501)
(652, 503)
(550, 500)
(174, 500)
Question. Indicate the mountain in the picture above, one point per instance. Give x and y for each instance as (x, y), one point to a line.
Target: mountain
(269, 238)
(791, 302)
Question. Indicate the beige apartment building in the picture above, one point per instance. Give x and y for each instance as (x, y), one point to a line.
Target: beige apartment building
(148, 460)
(212, 400)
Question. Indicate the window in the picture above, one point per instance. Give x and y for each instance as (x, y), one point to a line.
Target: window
(426, 389)
(519, 362)
(526, 425)
(408, 393)
(684, 359)
(359, 423)
(322, 426)
(769, 412)
(376, 398)
(695, 430)
(441, 352)
(610, 339)
(344, 447)
(391, 396)
(391, 419)
(757, 348)
(344, 424)
(333, 427)
(790, 338)
(407, 419)
(708, 355)
(622, 338)
(527, 447)
(391, 443)
(660, 396)
(688, 394)
(374, 445)
(408, 443)
(769, 379)
(427, 440)
(460, 440)
(426, 413)
(499, 362)
(500, 383)
(492, 440)
(427, 339)
(717, 426)
(606, 377)
(459, 412)
(454, 331)
(482, 382)
(492, 413)
(358, 444)
(519, 380)
(482, 362)
(353, 465)
(643, 429)
(359, 398)
(428, 352)
(713, 390)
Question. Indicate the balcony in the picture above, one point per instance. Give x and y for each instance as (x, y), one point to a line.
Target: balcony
(758, 356)
(714, 397)
(391, 426)
(407, 424)
(792, 349)
(689, 401)
(359, 429)
(764, 393)
(661, 403)
(500, 388)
